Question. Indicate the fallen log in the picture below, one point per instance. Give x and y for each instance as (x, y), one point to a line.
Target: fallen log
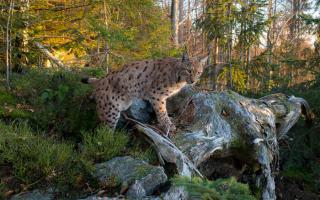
(49, 55)
(215, 125)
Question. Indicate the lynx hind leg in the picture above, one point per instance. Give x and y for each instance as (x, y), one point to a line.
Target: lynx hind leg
(108, 112)
(159, 106)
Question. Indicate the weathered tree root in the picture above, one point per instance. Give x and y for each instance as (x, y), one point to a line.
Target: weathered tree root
(216, 124)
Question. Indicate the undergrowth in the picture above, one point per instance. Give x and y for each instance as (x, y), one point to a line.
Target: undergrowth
(37, 160)
(52, 100)
(300, 156)
(220, 189)
(103, 144)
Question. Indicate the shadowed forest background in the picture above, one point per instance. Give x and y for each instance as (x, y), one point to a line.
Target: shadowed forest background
(255, 47)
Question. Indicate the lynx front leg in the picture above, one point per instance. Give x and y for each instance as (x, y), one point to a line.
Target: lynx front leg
(159, 107)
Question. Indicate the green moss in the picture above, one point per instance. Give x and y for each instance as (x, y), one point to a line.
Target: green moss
(142, 171)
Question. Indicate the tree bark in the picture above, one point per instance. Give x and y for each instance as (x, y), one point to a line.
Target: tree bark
(181, 21)
(214, 126)
(175, 22)
(8, 46)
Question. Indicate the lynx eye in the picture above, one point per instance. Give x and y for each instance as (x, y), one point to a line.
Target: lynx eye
(188, 70)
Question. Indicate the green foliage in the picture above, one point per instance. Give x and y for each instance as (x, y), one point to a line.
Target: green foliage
(238, 76)
(301, 158)
(36, 160)
(221, 189)
(10, 107)
(103, 144)
(142, 152)
(33, 157)
(140, 30)
(247, 20)
(58, 99)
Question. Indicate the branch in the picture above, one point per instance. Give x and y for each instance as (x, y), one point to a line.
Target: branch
(49, 55)
(167, 150)
(62, 8)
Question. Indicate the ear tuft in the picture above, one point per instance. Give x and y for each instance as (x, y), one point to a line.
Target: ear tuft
(185, 57)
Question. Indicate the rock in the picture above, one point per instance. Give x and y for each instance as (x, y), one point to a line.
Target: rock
(177, 193)
(35, 195)
(136, 191)
(95, 197)
(143, 178)
(140, 110)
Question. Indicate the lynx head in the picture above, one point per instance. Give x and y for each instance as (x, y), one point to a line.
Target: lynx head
(191, 70)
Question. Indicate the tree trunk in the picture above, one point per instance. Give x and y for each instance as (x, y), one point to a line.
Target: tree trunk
(8, 46)
(181, 22)
(270, 38)
(175, 22)
(229, 49)
(217, 126)
(248, 69)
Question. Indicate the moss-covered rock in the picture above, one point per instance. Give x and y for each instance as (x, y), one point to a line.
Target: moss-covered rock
(131, 171)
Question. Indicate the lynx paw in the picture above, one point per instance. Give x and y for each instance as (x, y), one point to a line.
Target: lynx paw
(169, 129)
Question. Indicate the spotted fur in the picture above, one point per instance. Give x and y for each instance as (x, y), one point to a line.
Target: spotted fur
(151, 80)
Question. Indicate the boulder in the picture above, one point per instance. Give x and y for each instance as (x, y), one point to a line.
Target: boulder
(143, 179)
(35, 195)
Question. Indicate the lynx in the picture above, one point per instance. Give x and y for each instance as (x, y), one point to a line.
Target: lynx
(151, 80)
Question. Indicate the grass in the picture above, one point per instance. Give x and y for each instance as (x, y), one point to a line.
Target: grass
(32, 156)
(140, 149)
(36, 160)
(220, 189)
(103, 144)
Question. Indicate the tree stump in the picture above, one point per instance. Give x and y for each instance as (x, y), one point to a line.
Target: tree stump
(228, 127)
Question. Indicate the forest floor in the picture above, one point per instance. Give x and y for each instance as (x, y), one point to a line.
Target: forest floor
(50, 111)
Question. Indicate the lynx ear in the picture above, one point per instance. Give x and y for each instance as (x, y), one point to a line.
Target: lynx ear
(204, 61)
(185, 57)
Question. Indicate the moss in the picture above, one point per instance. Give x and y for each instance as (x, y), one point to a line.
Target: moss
(143, 153)
(142, 171)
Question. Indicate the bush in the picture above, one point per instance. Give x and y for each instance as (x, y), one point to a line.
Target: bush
(10, 108)
(221, 189)
(33, 157)
(35, 161)
(103, 144)
(59, 101)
